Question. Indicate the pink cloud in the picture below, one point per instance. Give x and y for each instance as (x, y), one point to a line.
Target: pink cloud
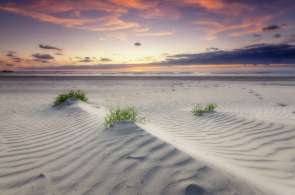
(207, 4)
(69, 22)
(136, 4)
(247, 26)
(111, 15)
(155, 34)
(58, 6)
(110, 22)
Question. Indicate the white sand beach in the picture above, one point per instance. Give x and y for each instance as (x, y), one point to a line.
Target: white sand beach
(246, 147)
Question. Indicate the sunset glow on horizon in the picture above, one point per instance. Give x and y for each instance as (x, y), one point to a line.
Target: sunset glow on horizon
(58, 33)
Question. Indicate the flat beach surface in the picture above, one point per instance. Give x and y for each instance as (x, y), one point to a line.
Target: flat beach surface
(246, 147)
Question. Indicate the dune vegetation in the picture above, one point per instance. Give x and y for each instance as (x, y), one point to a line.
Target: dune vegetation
(72, 94)
(118, 114)
(199, 110)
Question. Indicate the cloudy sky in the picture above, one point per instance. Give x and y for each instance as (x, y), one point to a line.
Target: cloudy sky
(51, 33)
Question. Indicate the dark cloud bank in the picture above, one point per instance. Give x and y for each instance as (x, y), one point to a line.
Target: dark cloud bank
(253, 54)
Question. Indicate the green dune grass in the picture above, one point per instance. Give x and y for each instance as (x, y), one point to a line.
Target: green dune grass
(116, 115)
(72, 94)
(199, 110)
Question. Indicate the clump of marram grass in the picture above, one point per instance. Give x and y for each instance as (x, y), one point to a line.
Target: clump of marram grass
(72, 94)
(199, 110)
(129, 114)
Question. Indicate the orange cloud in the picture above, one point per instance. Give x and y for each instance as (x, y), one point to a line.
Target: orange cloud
(57, 6)
(48, 18)
(149, 9)
(111, 19)
(110, 15)
(112, 23)
(136, 4)
(104, 23)
(218, 6)
(208, 4)
(245, 27)
(160, 11)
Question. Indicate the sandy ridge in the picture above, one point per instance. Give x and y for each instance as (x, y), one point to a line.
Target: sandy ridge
(69, 152)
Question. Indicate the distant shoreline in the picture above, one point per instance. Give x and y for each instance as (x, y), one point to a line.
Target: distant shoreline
(214, 77)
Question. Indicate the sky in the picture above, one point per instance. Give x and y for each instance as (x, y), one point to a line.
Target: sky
(145, 33)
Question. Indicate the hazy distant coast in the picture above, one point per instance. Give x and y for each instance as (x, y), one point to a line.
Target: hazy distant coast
(151, 76)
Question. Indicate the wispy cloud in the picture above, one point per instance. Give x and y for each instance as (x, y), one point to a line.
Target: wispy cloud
(155, 34)
(136, 4)
(68, 22)
(168, 22)
(113, 14)
(111, 23)
(224, 7)
(208, 4)
(247, 26)
(45, 11)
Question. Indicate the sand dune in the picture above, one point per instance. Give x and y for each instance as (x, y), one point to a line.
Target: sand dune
(249, 147)
(253, 139)
(68, 151)
(246, 147)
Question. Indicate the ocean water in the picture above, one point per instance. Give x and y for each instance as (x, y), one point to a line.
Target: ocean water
(165, 71)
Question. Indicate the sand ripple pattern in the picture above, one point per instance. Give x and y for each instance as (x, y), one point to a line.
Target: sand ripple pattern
(67, 151)
(259, 150)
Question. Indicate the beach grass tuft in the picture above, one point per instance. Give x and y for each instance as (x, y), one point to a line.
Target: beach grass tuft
(199, 110)
(116, 115)
(72, 94)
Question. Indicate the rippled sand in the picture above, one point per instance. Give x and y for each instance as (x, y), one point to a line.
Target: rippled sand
(246, 147)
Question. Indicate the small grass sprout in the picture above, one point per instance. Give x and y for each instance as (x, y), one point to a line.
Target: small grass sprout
(199, 110)
(72, 94)
(116, 115)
